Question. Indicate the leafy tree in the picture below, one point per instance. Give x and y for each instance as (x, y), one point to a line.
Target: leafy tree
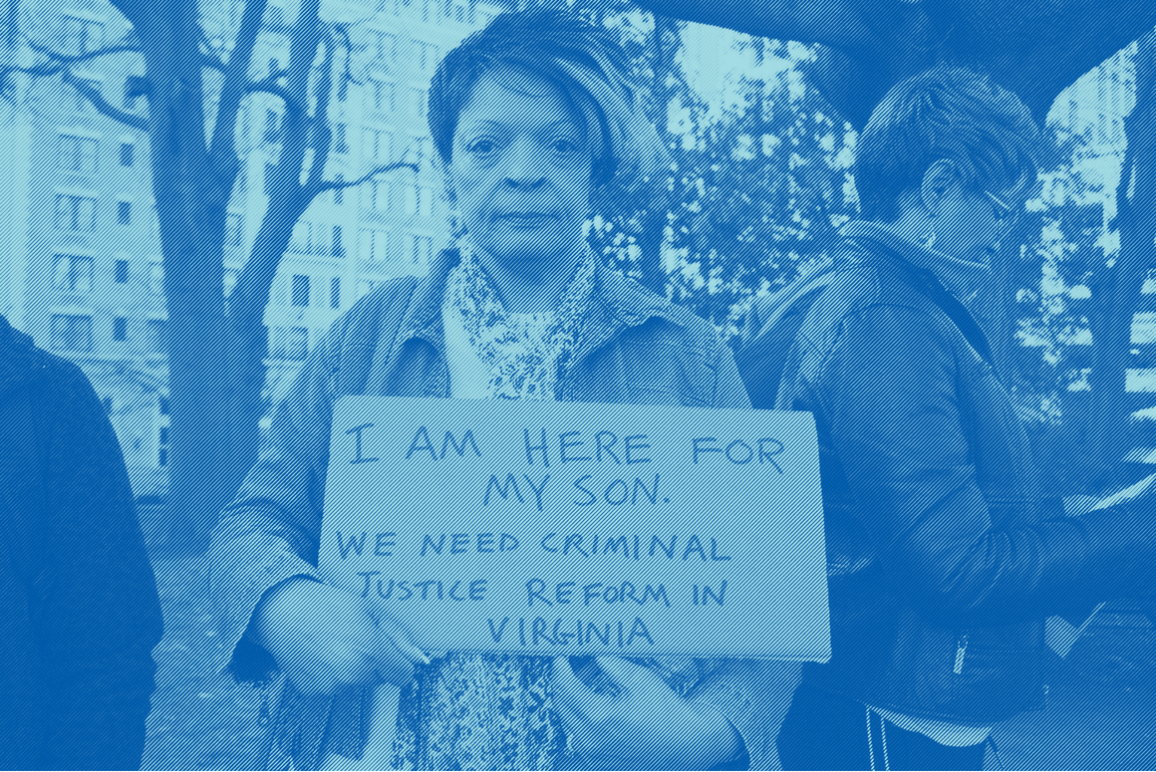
(1036, 50)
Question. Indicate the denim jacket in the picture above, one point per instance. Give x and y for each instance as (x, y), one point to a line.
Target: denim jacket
(636, 348)
(942, 561)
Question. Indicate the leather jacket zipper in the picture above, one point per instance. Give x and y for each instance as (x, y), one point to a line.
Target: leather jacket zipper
(960, 653)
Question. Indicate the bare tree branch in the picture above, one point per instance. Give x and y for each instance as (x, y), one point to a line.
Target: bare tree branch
(271, 86)
(342, 184)
(267, 85)
(101, 104)
(322, 135)
(66, 59)
(222, 147)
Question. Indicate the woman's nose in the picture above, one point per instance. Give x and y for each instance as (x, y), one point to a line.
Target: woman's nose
(524, 169)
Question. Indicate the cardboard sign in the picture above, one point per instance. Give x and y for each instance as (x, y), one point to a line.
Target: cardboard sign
(569, 528)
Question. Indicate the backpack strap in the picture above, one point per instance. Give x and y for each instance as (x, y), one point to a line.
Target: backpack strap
(762, 360)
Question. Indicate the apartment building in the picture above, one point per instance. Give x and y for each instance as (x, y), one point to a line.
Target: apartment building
(84, 271)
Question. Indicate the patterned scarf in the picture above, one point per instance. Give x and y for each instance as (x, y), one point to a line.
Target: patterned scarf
(524, 352)
(493, 711)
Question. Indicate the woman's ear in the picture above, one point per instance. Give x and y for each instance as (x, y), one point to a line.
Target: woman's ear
(937, 184)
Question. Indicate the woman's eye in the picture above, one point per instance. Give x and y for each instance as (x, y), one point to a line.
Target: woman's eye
(564, 146)
(482, 146)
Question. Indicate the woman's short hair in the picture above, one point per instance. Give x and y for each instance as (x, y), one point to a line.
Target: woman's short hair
(944, 113)
(583, 60)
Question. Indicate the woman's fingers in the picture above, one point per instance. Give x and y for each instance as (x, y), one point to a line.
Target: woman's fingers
(399, 636)
(394, 653)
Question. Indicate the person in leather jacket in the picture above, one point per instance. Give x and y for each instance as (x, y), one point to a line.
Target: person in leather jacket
(943, 562)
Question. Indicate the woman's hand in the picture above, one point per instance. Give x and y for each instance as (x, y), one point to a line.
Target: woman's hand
(326, 641)
(645, 726)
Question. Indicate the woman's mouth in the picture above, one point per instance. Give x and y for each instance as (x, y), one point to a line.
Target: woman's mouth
(525, 219)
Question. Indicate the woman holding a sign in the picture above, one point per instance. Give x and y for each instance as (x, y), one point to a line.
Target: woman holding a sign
(942, 560)
(529, 117)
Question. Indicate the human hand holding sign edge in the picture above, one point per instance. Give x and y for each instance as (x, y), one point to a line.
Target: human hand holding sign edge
(325, 640)
(646, 725)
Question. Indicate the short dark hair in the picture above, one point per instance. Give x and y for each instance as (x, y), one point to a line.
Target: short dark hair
(585, 61)
(947, 113)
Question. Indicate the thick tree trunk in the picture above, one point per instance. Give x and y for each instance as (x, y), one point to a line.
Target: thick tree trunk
(191, 200)
(1117, 290)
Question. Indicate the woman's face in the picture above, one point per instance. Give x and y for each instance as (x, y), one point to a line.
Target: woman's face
(521, 169)
(970, 221)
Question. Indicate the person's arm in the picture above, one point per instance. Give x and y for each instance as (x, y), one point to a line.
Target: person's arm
(274, 610)
(887, 393)
(269, 534)
(100, 616)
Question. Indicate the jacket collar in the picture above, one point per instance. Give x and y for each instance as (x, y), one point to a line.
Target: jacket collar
(873, 245)
(963, 278)
(617, 303)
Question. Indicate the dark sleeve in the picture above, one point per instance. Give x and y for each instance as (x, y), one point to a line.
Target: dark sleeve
(887, 391)
(100, 616)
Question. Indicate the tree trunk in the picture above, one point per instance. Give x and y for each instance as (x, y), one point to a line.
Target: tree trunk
(191, 199)
(1117, 290)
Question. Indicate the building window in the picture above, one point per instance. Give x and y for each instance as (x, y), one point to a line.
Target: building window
(81, 36)
(373, 244)
(158, 336)
(424, 147)
(75, 213)
(381, 96)
(120, 272)
(423, 200)
(309, 238)
(365, 287)
(300, 291)
(416, 102)
(127, 153)
(76, 154)
(335, 292)
(72, 332)
(421, 250)
(72, 273)
(376, 144)
(384, 46)
(156, 278)
(124, 213)
(340, 143)
(427, 56)
(120, 328)
(378, 192)
(338, 241)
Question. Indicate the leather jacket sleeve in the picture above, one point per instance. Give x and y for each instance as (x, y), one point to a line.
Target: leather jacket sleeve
(887, 390)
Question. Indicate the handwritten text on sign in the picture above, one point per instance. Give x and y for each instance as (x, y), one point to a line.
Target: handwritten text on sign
(578, 528)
